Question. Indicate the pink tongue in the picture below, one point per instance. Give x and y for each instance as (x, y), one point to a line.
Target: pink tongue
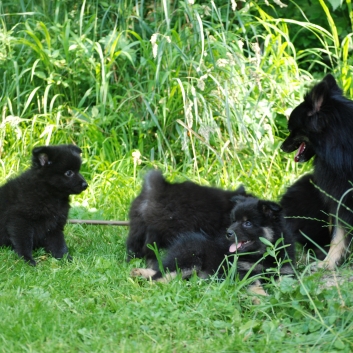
(299, 152)
(234, 247)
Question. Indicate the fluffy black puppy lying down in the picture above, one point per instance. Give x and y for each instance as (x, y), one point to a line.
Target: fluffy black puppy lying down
(250, 220)
(34, 206)
(190, 252)
(164, 210)
(307, 215)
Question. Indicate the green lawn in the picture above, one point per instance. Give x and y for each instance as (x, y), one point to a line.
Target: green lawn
(93, 305)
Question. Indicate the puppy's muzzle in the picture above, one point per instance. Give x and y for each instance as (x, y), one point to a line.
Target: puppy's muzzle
(230, 234)
(84, 185)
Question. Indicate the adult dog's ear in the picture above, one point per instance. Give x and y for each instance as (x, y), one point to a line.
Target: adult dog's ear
(318, 98)
(269, 208)
(331, 83)
(41, 156)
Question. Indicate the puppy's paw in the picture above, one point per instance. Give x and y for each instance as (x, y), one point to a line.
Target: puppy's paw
(32, 263)
(29, 260)
(69, 258)
(257, 289)
(142, 272)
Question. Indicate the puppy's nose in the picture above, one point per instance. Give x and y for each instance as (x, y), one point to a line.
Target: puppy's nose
(84, 185)
(230, 233)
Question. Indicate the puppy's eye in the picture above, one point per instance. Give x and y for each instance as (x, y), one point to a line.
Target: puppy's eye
(247, 224)
(69, 173)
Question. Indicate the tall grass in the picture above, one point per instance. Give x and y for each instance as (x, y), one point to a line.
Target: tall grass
(195, 88)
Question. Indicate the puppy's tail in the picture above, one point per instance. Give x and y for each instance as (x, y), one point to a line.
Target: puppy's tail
(154, 180)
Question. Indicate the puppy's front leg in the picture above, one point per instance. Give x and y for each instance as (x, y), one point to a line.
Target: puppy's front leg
(55, 244)
(143, 272)
(22, 244)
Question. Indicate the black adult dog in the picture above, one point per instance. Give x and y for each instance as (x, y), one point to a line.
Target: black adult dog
(35, 205)
(322, 127)
(164, 210)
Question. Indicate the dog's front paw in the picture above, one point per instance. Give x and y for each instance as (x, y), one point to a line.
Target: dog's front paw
(325, 265)
(28, 259)
(142, 272)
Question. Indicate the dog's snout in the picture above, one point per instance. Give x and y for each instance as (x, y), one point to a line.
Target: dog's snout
(230, 233)
(84, 185)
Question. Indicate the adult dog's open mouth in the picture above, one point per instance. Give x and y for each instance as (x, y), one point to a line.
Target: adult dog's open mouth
(240, 245)
(300, 151)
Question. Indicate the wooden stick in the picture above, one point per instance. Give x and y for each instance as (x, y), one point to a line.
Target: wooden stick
(98, 222)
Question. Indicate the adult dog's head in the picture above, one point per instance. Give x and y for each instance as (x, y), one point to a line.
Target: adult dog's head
(311, 123)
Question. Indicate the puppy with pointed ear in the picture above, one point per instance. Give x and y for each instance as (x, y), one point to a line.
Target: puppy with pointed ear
(34, 206)
(253, 219)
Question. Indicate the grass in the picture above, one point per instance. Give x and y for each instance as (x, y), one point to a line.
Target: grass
(92, 305)
(207, 99)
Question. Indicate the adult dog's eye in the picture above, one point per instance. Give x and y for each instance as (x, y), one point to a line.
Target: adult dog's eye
(247, 224)
(69, 173)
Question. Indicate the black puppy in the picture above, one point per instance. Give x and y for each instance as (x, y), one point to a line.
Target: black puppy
(190, 252)
(306, 215)
(322, 127)
(35, 205)
(164, 210)
(252, 219)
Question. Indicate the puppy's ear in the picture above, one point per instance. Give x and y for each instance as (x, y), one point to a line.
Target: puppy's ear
(40, 156)
(269, 209)
(75, 149)
(238, 198)
(241, 190)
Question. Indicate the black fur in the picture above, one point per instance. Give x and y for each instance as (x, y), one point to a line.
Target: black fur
(34, 206)
(322, 127)
(251, 219)
(305, 212)
(195, 252)
(164, 210)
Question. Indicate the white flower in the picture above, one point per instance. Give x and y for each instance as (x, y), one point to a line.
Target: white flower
(201, 82)
(136, 155)
(206, 10)
(222, 62)
(231, 59)
(153, 40)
